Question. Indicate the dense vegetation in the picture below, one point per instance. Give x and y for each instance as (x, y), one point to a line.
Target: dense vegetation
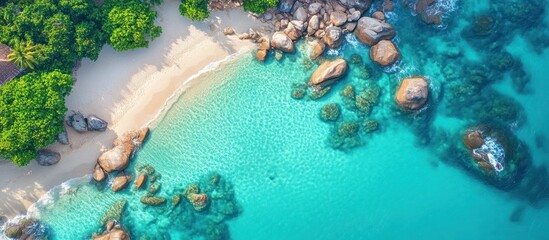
(32, 109)
(47, 38)
(194, 9)
(259, 6)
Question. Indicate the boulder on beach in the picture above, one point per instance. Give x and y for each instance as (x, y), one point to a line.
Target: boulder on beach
(121, 181)
(77, 121)
(48, 158)
(98, 174)
(370, 30)
(282, 42)
(384, 53)
(137, 137)
(63, 137)
(96, 124)
(333, 37)
(412, 93)
(117, 158)
(228, 31)
(327, 73)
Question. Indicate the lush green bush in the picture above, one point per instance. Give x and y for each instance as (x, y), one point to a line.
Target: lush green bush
(129, 24)
(32, 109)
(68, 30)
(195, 10)
(259, 6)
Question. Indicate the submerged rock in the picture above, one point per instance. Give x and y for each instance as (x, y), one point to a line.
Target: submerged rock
(317, 49)
(48, 158)
(175, 200)
(412, 93)
(152, 201)
(330, 112)
(384, 53)
(316, 94)
(428, 16)
(198, 201)
(370, 30)
(96, 124)
(327, 73)
(120, 182)
(77, 121)
(140, 180)
(116, 159)
(114, 212)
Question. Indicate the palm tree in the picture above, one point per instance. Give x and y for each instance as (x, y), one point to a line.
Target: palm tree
(25, 55)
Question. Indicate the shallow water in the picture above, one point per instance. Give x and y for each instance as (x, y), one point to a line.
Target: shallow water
(401, 182)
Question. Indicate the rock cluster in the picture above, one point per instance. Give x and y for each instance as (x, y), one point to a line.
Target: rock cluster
(113, 231)
(118, 158)
(25, 228)
(198, 200)
(80, 124)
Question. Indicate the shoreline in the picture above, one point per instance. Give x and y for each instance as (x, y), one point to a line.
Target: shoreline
(129, 90)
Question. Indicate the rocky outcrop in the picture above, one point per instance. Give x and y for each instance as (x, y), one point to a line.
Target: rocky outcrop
(282, 42)
(48, 158)
(333, 37)
(140, 180)
(136, 137)
(327, 73)
(98, 174)
(116, 159)
(317, 49)
(412, 93)
(77, 121)
(120, 182)
(370, 30)
(384, 53)
(96, 124)
(25, 228)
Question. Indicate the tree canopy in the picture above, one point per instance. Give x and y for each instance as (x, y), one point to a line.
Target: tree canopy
(195, 10)
(130, 24)
(259, 6)
(32, 110)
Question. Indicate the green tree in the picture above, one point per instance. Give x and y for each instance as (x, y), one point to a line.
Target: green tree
(129, 24)
(25, 55)
(32, 109)
(259, 6)
(195, 10)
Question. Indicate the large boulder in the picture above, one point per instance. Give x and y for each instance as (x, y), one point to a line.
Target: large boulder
(137, 137)
(292, 32)
(338, 18)
(96, 124)
(77, 121)
(370, 30)
(317, 49)
(140, 180)
(120, 182)
(48, 158)
(327, 73)
(358, 4)
(314, 8)
(286, 5)
(314, 24)
(300, 14)
(333, 37)
(384, 53)
(282, 42)
(116, 159)
(98, 174)
(428, 16)
(412, 93)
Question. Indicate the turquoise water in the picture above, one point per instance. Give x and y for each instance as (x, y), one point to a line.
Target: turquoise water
(401, 182)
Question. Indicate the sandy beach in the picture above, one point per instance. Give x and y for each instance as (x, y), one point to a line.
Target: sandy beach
(129, 90)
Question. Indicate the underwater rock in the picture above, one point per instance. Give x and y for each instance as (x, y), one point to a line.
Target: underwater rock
(77, 121)
(96, 124)
(152, 201)
(115, 233)
(412, 93)
(199, 201)
(261, 54)
(384, 53)
(348, 129)
(356, 58)
(175, 200)
(333, 37)
(520, 78)
(48, 158)
(116, 159)
(483, 25)
(316, 94)
(501, 60)
(428, 16)
(330, 112)
(298, 93)
(140, 180)
(370, 30)
(317, 48)
(114, 212)
(282, 42)
(98, 174)
(366, 99)
(500, 160)
(25, 228)
(121, 181)
(154, 188)
(370, 126)
(348, 92)
(327, 73)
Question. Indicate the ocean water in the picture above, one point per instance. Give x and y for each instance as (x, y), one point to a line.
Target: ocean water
(286, 174)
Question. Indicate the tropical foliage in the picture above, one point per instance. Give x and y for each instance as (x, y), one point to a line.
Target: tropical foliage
(195, 10)
(32, 109)
(25, 55)
(129, 24)
(259, 6)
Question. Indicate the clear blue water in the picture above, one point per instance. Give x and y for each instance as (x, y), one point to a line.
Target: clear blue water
(402, 182)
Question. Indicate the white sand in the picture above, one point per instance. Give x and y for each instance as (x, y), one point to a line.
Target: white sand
(128, 90)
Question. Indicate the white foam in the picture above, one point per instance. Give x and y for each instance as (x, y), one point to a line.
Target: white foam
(494, 151)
